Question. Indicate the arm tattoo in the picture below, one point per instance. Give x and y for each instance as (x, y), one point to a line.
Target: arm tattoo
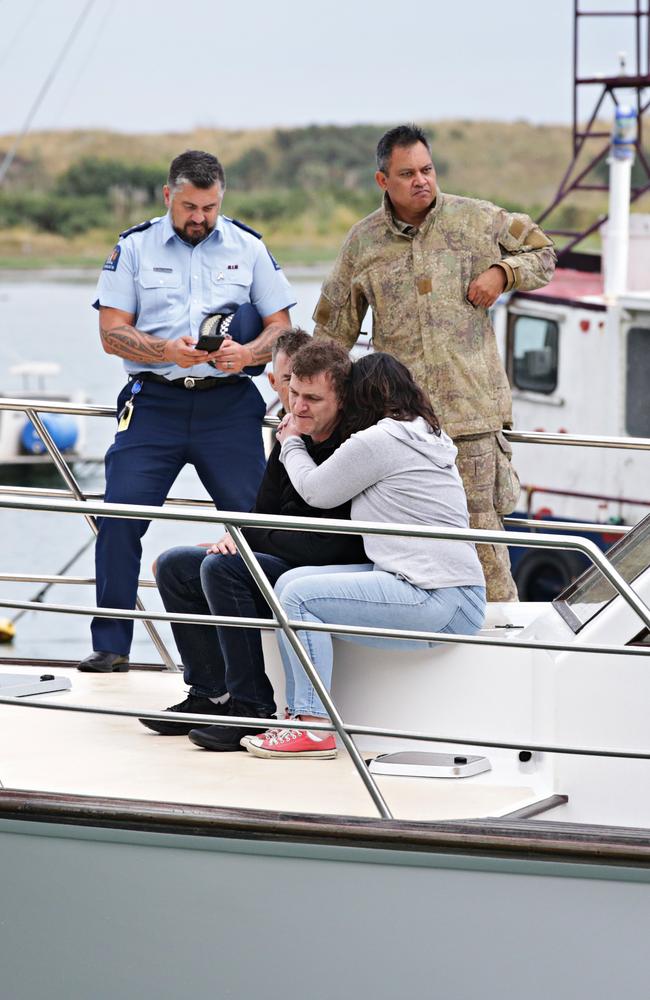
(260, 348)
(129, 343)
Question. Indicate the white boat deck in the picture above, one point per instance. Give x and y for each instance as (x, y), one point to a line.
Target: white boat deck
(98, 755)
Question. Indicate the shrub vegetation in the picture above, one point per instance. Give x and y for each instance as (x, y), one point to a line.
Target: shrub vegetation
(303, 187)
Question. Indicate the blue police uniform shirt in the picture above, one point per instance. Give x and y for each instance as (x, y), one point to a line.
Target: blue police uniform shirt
(170, 286)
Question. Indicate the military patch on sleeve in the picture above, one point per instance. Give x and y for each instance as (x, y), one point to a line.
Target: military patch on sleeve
(112, 259)
(516, 229)
(273, 260)
(537, 239)
(322, 312)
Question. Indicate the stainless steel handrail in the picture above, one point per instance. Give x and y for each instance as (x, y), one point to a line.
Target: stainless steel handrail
(56, 406)
(268, 593)
(268, 520)
(32, 409)
(327, 727)
(76, 409)
(270, 623)
(235, 521)
(68, 478)
(578, 440)
(528, 540)
(520, 437)
(595, 527)
(42, 491)
(75, 581)
(516, 522)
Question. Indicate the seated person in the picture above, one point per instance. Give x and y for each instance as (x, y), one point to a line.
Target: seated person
(397, 466)
(282, 354)
(224, 665)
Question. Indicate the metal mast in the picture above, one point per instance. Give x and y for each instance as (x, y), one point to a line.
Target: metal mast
(629, 88)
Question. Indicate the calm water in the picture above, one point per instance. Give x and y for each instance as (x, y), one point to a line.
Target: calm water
(51, 320)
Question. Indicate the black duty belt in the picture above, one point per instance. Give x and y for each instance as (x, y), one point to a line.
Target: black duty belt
(189, 382)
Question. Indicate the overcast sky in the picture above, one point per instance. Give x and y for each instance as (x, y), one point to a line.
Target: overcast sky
(156, 65)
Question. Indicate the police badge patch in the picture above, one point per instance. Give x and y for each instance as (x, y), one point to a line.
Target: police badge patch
(112, 259)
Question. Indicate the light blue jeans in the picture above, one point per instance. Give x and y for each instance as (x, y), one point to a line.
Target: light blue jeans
(363, 595)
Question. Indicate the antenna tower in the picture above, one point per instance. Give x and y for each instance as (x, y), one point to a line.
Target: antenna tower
(628, 87)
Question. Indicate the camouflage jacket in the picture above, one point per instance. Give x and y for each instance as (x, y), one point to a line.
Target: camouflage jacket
(416, 281)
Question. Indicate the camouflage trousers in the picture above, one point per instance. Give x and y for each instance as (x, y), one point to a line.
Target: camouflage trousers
(492, 488)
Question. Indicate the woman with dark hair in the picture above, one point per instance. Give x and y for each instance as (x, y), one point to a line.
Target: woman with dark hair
(397, 466)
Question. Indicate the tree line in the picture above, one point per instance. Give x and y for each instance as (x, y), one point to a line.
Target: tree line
(299, 171)
(302, 187)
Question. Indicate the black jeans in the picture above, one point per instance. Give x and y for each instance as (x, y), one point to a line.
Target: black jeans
(222, 658)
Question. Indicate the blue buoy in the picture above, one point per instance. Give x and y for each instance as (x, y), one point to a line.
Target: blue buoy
(63, 430)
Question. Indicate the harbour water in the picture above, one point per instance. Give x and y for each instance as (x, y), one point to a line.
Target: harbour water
(51, 319)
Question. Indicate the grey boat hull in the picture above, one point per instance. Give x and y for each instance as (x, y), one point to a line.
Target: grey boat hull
(122, 900)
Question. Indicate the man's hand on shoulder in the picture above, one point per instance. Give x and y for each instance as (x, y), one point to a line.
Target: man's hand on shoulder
(486, 289)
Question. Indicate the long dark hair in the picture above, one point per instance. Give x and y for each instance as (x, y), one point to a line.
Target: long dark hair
(381, 386)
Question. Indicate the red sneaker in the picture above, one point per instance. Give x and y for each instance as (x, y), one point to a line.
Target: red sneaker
(267, 732)
(291, 743)
(245, 740)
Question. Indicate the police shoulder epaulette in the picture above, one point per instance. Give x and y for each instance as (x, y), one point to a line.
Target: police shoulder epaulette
(242, 225)
(140, 228)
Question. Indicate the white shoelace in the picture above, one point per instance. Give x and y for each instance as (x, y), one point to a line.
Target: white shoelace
(284, 735)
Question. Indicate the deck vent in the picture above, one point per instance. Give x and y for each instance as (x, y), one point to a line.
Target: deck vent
(418, 764)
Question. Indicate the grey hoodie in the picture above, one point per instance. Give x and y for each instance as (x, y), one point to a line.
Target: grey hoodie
(396, 472)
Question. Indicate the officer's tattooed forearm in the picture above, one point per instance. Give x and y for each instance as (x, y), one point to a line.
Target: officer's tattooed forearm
(260, 348)
(127, 342)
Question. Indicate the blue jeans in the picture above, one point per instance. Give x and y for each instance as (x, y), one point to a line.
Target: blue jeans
(222, 658)
(363, 595)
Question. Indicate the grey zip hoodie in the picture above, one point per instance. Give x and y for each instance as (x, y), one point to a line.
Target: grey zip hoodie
(396, 472)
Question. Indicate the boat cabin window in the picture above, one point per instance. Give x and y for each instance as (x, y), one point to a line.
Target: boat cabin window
(591, 592)
(533, 353)
(637, 380)
(642, 639)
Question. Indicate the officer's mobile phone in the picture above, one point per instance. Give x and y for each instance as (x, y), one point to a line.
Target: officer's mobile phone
(210, 342)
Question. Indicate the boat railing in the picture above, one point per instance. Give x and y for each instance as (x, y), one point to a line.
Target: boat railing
(32, 408)
(74, 501)
(235, 521)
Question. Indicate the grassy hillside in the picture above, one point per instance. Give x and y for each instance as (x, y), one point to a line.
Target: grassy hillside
(69, 193)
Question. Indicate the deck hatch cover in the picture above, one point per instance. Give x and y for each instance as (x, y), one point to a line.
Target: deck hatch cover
(19, 686)
(419, 764)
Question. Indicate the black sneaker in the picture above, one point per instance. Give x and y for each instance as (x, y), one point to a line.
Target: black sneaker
(104, 663)
(227, 738)
(193, 704)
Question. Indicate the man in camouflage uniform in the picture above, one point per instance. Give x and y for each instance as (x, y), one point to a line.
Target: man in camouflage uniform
(430, 265)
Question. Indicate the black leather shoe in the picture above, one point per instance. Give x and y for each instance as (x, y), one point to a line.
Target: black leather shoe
(226, 738)
(193, 704)
(104, 663)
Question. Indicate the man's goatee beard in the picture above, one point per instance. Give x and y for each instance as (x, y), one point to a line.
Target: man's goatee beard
(193, 238)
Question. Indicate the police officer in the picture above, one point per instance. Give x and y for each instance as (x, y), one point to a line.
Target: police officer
(430, 265)
(158, 284)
